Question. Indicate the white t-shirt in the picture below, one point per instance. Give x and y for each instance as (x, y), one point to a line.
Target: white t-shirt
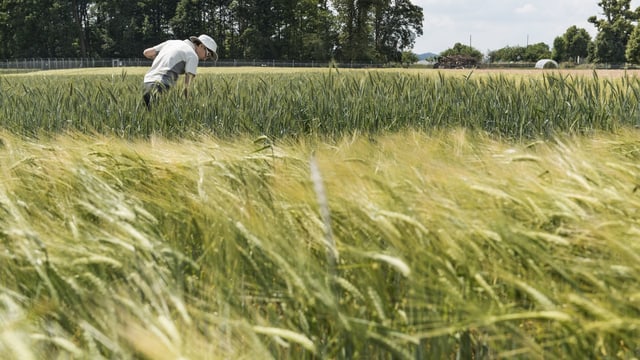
(175, 57)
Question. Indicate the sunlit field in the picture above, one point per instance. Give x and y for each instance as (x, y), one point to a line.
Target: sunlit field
(322, 102)
(320, 214)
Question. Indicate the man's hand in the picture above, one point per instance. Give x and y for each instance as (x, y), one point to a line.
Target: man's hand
(187, 80)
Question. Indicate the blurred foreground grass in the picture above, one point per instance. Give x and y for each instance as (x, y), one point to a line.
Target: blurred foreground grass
(403, 246)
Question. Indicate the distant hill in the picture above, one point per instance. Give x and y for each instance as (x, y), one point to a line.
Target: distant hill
(427, 55)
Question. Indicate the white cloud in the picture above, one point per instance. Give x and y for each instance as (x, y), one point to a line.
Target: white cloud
(439, 21)
(525, 9)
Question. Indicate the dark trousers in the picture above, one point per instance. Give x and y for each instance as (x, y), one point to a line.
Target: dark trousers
(152, 91)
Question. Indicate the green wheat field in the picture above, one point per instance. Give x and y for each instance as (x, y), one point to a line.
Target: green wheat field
(320, 214)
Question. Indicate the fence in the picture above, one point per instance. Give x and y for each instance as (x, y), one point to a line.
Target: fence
(56, 63)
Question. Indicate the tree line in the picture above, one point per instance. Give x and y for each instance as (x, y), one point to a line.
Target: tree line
(617, 41)
(344, 30)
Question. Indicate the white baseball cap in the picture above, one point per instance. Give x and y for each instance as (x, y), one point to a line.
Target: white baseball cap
(209, 43)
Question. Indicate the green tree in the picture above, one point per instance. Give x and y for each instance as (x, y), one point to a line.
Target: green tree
(531, 53)
(189, 19)
(613, 31)
(378, 30)
(302, 30)
(320, 33)
(397, 23)
(119, 28)
(409, 57)
(632, 52)
(33, 28)
(235, 26)
(257, 31)
(572, 45)
(507, 54)
(355, 40)
(80, 14)
(156, 20)
(559, 52)
(578, 42)
(461, 49)
(535, 52)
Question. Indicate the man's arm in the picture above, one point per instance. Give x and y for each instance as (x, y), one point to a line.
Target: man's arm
(150, 53)
(188, 77)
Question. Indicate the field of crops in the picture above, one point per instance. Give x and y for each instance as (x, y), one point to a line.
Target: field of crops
(325, 214)
(293, 103)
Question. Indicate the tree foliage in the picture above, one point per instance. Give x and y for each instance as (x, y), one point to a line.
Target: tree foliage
(617, 40)
(531, 53)
(614, 30)
(573, 45)
(397, 23)
(461, 49)
(632, 52)
(248, 29)
(33, 28)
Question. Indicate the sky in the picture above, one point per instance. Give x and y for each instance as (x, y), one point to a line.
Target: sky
(494, 24)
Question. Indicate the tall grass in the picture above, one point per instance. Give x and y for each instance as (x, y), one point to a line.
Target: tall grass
(326, 214)
(445, 244)
(322, 102)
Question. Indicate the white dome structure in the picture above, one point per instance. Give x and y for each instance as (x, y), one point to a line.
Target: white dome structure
(546, 64)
